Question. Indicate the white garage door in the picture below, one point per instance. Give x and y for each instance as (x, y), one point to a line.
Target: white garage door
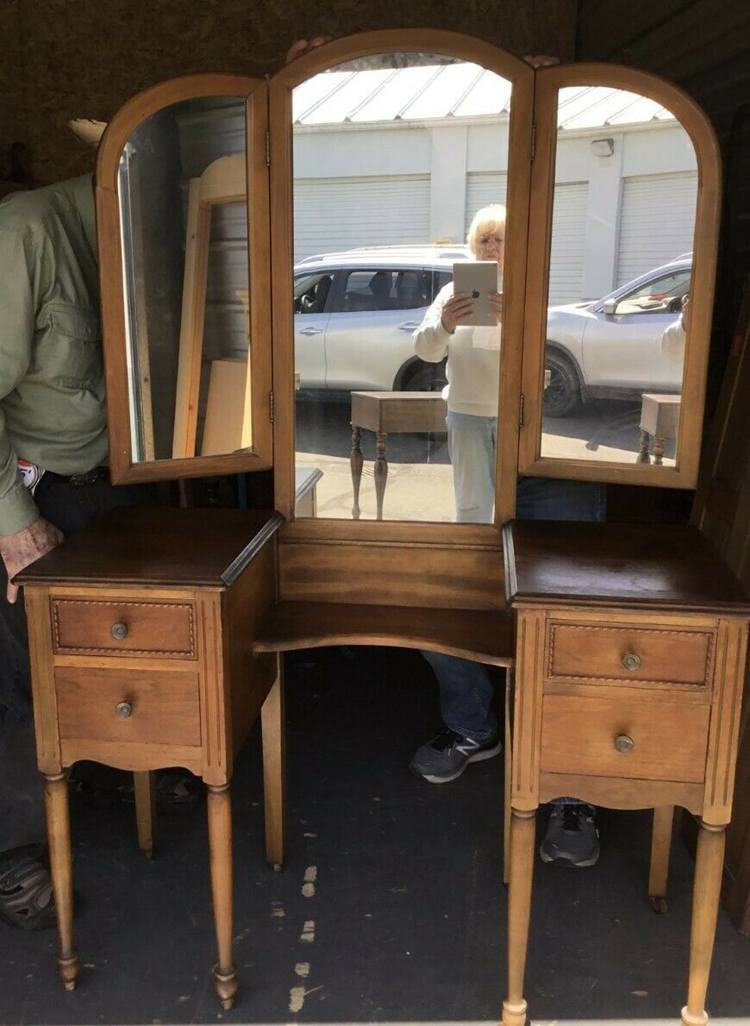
(568, 243)
(483, 188)
(656, 222)
(332, 214)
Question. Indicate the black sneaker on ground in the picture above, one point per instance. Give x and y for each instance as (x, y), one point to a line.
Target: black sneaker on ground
(26, 900)
(572, 838)
(448, 754)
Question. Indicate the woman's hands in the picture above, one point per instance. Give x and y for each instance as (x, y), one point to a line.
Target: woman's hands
(461, 305)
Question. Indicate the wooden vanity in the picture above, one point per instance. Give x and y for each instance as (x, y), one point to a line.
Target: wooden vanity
(157, 636)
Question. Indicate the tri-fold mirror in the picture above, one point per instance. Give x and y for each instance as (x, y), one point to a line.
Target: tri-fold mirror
(277, 259)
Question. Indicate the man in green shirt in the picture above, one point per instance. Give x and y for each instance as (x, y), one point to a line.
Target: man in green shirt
(53, 478)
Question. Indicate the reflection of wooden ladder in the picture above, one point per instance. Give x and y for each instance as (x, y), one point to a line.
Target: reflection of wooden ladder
(229, 414)
(722, 511)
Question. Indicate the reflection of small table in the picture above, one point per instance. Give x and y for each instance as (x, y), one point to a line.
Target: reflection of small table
(660, 418)
(389, 413)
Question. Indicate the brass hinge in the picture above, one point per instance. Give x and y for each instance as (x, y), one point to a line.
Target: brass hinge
(521, 407)
(268, 149)
(533, 139)
(271, 408)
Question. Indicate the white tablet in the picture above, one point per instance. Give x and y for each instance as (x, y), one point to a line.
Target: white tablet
(477, 278)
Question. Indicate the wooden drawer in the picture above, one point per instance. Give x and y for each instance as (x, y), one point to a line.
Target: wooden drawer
(580, 736)
(149, 706)
(90, 626)
(633, 655)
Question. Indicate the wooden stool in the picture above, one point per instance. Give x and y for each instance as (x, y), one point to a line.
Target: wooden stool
(660, 419)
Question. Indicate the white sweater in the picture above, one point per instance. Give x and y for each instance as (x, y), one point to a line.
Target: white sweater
(472, 370)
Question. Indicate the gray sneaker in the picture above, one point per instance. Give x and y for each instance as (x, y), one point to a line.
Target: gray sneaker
(572, 838)
(448, 754)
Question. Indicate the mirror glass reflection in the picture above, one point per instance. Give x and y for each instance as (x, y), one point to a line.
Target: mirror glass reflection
(394, 155)
(621, 258)
(183, 213)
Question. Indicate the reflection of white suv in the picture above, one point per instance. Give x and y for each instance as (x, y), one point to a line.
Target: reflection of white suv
(355, 312)
(611, 348)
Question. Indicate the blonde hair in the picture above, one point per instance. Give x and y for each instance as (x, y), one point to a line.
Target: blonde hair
(492, 216)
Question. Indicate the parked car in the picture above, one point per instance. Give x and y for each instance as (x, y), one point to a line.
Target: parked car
(611, 347)
(355, 313)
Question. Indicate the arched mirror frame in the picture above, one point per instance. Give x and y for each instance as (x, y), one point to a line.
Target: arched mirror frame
(129, 117)
(705, 241)
(281, 85)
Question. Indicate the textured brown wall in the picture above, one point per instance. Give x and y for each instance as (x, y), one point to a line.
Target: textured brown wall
(80, 58)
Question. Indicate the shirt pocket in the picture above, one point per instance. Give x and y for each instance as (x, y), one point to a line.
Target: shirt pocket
(69, 353)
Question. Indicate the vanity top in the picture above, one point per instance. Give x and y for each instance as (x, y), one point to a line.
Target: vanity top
(161, 545)
(638, 565)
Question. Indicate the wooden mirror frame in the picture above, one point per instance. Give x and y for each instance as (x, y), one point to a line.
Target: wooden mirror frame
(281, 85)
(122, 466)
(705, 242)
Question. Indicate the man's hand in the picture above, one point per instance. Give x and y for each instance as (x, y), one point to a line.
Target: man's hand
(21, 549)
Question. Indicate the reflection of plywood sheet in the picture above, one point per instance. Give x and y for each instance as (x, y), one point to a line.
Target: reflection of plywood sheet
(227, 426)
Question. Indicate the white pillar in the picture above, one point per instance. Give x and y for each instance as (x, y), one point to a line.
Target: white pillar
(448, 183)
(602, 220)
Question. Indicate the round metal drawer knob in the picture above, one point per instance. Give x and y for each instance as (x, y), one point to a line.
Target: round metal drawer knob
(631, 661)
(624, 744)
(119, 631)
(123, 710)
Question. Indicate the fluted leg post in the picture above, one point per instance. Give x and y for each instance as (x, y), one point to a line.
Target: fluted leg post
(220, 850)
(61, 871)
(709, 867)
(522, 838)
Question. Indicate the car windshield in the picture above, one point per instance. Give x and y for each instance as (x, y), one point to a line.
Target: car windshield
(659, 295)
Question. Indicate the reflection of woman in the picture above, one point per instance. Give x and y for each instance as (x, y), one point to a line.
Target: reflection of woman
(473, 370)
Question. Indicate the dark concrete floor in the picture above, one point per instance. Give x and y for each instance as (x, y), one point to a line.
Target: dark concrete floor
(406, 923)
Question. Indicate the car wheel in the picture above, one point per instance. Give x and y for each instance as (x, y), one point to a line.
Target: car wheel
(562, 397)
(425, 377)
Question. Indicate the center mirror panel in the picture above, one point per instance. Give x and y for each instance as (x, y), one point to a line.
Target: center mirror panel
(396, 157)
(182, 187)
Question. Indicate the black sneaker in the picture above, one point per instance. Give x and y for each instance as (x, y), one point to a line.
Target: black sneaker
(572, 838)
(448, 754)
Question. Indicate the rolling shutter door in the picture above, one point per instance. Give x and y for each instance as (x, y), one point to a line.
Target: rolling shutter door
(483, 188)
(656, 222)
(332, 214)
(568, 243)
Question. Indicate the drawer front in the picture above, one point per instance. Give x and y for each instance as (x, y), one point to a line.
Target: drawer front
(90, 626)
(633, 655)
(151, 706)
(629, 737)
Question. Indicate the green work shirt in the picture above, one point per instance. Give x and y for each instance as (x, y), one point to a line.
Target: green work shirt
(51, 374)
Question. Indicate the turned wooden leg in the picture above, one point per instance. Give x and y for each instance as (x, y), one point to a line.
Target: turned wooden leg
(220, 849)
(145, 810)
(643, 454)
(661, 847)
(522, 839)
(58, 833)
(658, 451)
(355, 461)
(380, 471)
(272, 727)
(709, 867)
(507, 778)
